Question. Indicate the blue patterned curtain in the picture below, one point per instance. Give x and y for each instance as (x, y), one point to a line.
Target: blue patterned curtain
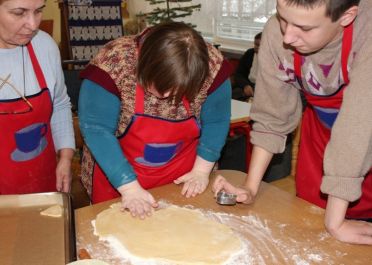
(91, 24)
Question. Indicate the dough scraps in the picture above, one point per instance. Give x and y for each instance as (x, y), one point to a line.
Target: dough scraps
(53, 211)
(173, 234)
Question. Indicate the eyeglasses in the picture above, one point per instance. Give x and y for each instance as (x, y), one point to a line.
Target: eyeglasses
(28, 106)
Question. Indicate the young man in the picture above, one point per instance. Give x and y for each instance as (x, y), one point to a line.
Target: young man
(321, 48)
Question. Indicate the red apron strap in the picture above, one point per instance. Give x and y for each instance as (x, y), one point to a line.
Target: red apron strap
(186, 103)
(346, 47)
(297, 64)
(36, 66)
(139, 104)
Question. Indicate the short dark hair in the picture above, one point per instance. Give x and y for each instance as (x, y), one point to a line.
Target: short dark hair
(173, 58)
(334, 8)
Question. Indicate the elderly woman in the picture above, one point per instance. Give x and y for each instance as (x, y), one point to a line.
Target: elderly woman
(154, 109)
(35, 111)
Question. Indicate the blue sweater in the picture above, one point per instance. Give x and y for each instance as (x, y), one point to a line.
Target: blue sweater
(99, 112)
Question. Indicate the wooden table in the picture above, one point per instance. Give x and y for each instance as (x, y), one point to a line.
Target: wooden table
(279, 228)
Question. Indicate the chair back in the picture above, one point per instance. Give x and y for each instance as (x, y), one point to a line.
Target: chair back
(47, 26)
(79, 141)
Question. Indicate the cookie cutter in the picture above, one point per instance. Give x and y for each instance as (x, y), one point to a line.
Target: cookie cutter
(225, 198)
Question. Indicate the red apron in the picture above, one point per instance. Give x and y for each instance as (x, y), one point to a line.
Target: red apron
(159, 150)
(27, 155)
(317, 121)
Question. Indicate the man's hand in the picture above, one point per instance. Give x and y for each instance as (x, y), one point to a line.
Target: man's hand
(138, 201)
(242, 195)
(349, 231)
(352, 231)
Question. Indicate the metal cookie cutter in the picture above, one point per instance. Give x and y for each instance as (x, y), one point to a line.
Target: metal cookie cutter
(225, 198)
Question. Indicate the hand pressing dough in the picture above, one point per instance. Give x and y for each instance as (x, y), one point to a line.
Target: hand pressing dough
(176, 235)
(53, 211)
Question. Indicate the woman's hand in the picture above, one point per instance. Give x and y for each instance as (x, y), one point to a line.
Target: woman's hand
(243, 195)
(194, 183)
(63, 170)
(137, 200)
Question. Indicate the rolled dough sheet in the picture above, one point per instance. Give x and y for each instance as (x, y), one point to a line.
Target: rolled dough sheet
(53, 211)
(173, 234)
(88, 262)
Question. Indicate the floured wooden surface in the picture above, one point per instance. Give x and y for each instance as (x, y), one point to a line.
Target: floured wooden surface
(260, 245)
(277, 229)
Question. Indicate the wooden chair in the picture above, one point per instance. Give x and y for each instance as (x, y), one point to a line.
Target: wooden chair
(296, 142)
(80, 197)
(47, 26)
(79, 141)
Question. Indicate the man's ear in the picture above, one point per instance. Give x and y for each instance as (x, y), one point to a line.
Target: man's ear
(348, 16)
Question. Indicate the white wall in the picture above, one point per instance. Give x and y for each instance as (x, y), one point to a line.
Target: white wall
(52, 11)
(137, 6)
(204, 23)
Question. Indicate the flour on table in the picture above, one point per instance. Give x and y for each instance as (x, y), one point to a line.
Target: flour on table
(316, 210)
(324, 235)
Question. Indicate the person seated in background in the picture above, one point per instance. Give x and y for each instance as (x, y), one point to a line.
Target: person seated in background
(243, 88)
(153, 109)
(245, 74)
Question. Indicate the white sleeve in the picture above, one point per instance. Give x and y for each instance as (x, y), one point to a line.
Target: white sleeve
(61, 121)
